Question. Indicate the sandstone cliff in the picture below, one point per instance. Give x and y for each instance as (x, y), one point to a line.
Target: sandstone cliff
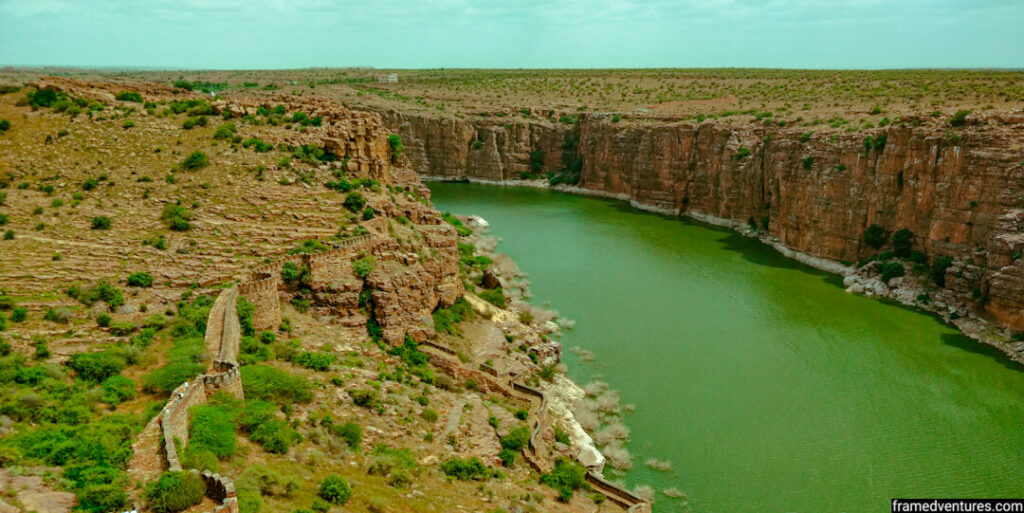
(959, 190)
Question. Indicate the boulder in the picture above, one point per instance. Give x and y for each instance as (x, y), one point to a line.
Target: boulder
(490, 279)
(591, 458)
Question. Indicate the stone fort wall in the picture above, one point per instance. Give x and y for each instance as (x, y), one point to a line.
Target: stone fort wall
(158, 446)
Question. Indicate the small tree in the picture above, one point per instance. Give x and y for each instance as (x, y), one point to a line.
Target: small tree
(874, 236)
(129, 96)
(902, 241)
(197, 160)
(960, 118)
(140, 279)
(890, 270)
(335, 489)
(938, 269)
(175, 491)
(355, 201)
(100, 223)
(395, 143)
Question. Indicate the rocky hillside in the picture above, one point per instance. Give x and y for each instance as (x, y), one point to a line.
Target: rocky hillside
(956, 185)
(125, 209)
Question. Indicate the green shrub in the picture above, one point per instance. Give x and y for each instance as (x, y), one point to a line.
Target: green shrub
(129, 96)
(175, 491)
(308, 246)
(468, 470)
(516, 439)
(494, 296)
(102, 291)
(42, 98)
(536, 161)
(267, 481)
(314, 360)
(225, 131)
(101, 498)
(117, 389)
(4, 125)
(258, 145)
(140, 279)
(430, 415)
(128, 124)
(212, 427)
(197, 160)
(165, 379)
(245, 310)
(395, 143)
(890, 270)
(351, 432)
(354, 201)
(875, 236)
(335, 489)
(362, 267)
(100, 223)
(193, 122)
(58, 315)
(507, 457)
(274, 385)
(19, 314)
(960, 118)
(176, 217)
(567, 477)
(264, 428)
(901, 243)
(938, 269)
(97, 366)
(808, 163)
(742, 153)
(454, 221)
(365, 398)
(446, 320)
(340, 185)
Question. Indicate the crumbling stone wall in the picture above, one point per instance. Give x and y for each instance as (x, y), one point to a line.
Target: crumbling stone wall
(222, 490)
(263, 295)
(157, 448)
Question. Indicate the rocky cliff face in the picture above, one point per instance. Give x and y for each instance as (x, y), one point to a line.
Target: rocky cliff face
(960, 191)
(448, 148)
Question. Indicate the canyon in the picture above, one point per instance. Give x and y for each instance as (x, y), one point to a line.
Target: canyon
(959, 190)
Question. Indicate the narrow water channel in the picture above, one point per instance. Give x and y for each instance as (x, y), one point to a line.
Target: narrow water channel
(765, 385)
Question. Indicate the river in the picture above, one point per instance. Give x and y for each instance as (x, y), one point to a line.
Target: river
(765, 385)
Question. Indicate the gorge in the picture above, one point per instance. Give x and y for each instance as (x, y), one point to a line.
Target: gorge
(959, 191)
(766, 386)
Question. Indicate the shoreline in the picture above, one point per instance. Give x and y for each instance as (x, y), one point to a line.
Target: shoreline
(854, 281)
(563, 394)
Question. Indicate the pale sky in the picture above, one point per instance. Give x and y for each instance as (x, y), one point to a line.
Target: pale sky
(258, 34)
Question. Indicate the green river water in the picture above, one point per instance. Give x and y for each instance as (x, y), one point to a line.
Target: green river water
(766, 385)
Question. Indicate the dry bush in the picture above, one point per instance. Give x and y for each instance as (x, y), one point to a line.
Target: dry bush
(587, 417)
(608, 403)
(645, 492)
(595, 388)
(674, 493)
(617, 456)
(657, 464)
(612, 432)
